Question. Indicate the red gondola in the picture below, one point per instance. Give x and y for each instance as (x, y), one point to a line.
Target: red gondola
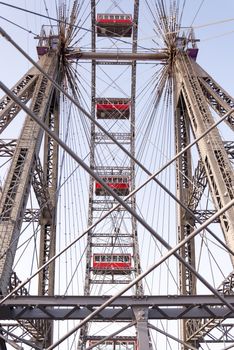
(114, 25)
(119, 183)
(111, 263)
(113, 108)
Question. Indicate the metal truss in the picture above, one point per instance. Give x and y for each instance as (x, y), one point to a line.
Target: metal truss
(36, 328)
(99, 180)
(116, 239)
(26, 169)
(23, 90)
(224, 334)
(217, 165)
(194, 330)
(203, 215)
(158, 307)
(215, 95)
(16, 187)
(7, 148)
(202, 328)
(229, 146)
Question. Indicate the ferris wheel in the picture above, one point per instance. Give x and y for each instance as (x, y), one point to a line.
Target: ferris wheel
(117, 184)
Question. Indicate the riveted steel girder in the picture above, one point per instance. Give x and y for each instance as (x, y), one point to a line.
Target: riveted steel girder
(159, 307)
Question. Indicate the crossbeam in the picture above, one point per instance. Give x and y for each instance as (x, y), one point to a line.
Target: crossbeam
(79, 307)
(119, 56)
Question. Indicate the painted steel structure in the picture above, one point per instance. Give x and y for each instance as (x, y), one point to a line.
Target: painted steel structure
(195, 91)
(120, 237)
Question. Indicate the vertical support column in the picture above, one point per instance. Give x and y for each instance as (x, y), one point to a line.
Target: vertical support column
(84, 329)
(141, 315)
(92, 150)
(139, 286)
(185, 223)
(48, 212)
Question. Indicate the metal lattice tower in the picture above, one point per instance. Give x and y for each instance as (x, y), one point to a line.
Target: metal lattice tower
(116, 239)
(112, 256)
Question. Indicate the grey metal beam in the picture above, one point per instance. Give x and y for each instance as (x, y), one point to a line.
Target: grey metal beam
(158, 330)
(19, 339)
(23, 90)
(215, 95)
(217, 165)
(214, 157)
(93, 301)
(16, 187)
(7, 148)
(119, 56)
(111, 336)
(112, 313)
(141, 315)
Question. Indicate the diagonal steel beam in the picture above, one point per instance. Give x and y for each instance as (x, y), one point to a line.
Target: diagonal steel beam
(189, 346)
(111, 336)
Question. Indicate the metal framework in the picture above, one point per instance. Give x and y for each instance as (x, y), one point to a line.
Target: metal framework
(159, 307)
(119, 237)
(195, 94)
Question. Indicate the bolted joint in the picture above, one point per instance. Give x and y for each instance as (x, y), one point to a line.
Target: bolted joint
(141, 314)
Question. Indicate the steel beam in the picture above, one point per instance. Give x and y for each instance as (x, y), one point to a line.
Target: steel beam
(16, 187)
(117, 56)
(214, 158)
(94, 301)
(100, 340)
(23, 90)
(158, 307)
(217, 165)
(7, 148)
(158, 330)
(215, 95)
(141, 315)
